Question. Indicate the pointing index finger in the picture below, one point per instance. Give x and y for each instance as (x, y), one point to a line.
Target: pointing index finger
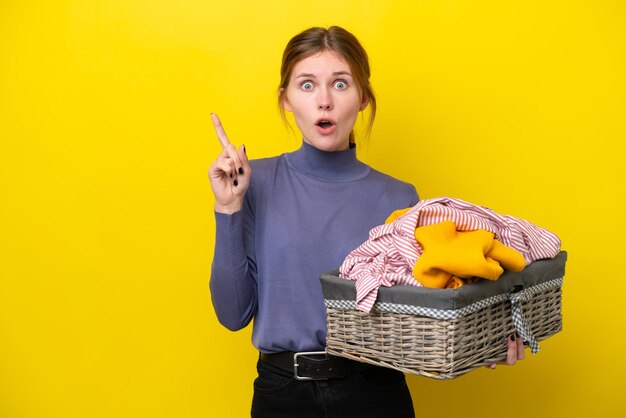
(219, 129)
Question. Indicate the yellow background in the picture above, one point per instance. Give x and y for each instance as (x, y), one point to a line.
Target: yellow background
(106, 214)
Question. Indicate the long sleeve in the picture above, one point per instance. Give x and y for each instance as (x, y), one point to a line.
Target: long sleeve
(233, 281)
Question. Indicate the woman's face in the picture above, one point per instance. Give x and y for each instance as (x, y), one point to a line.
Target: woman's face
(324, 99)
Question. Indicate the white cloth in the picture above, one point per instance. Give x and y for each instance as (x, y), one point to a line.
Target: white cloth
(388, 256)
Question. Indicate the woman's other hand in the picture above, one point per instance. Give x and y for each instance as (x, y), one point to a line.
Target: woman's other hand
(514, 352)
(229, 174)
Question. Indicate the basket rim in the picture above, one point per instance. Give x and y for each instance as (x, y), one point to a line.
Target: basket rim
(540, 271)
(448, 313)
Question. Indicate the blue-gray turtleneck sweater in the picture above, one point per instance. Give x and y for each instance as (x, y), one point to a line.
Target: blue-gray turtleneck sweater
(302, 215)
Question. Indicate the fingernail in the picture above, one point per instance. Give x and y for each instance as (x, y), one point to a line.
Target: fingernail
(512, 337)
(244, 149)
(235, 183)
(240, 170)
(516, 335)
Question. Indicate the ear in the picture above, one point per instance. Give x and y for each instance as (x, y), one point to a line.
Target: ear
(284, 100)
(364, 103)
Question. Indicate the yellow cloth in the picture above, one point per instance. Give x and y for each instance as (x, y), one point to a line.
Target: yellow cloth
(455, 282)
(449, 256)
(395, 215)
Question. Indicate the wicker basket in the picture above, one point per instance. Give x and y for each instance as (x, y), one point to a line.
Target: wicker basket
(445, 333)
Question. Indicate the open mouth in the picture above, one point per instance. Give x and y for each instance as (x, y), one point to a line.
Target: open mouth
(324, 124)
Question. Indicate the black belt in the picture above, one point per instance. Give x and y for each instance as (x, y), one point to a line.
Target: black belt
(317, 365)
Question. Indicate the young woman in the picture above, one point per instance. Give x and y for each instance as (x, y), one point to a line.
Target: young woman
(282, 221)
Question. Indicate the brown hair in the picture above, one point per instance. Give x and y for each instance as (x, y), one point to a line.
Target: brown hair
(315, 40)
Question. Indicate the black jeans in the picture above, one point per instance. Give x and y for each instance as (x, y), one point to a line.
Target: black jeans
(368, 391)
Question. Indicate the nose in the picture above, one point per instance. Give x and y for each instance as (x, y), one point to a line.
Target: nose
(324, 100)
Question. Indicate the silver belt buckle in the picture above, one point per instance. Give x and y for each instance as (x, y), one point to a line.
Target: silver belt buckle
(295, 364)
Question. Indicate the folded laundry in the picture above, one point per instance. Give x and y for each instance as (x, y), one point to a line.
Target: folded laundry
(392, 251)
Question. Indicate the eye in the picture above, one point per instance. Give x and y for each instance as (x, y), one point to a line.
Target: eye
(341, 85)
(307, 85)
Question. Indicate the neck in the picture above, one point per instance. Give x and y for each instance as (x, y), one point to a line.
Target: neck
(334, 166)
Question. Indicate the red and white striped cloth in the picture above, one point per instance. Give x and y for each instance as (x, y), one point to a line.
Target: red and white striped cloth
(388, 256)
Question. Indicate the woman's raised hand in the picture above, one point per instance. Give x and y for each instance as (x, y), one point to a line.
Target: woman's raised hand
(229, 174)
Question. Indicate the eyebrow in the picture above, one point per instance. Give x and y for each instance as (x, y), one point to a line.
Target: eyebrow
(307, 75)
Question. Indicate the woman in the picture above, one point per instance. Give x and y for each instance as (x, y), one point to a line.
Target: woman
(282, 221)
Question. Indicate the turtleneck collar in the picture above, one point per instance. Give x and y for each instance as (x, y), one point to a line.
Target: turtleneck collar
(334, 166)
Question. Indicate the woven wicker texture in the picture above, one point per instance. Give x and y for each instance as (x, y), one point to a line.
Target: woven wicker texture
(436, 348)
